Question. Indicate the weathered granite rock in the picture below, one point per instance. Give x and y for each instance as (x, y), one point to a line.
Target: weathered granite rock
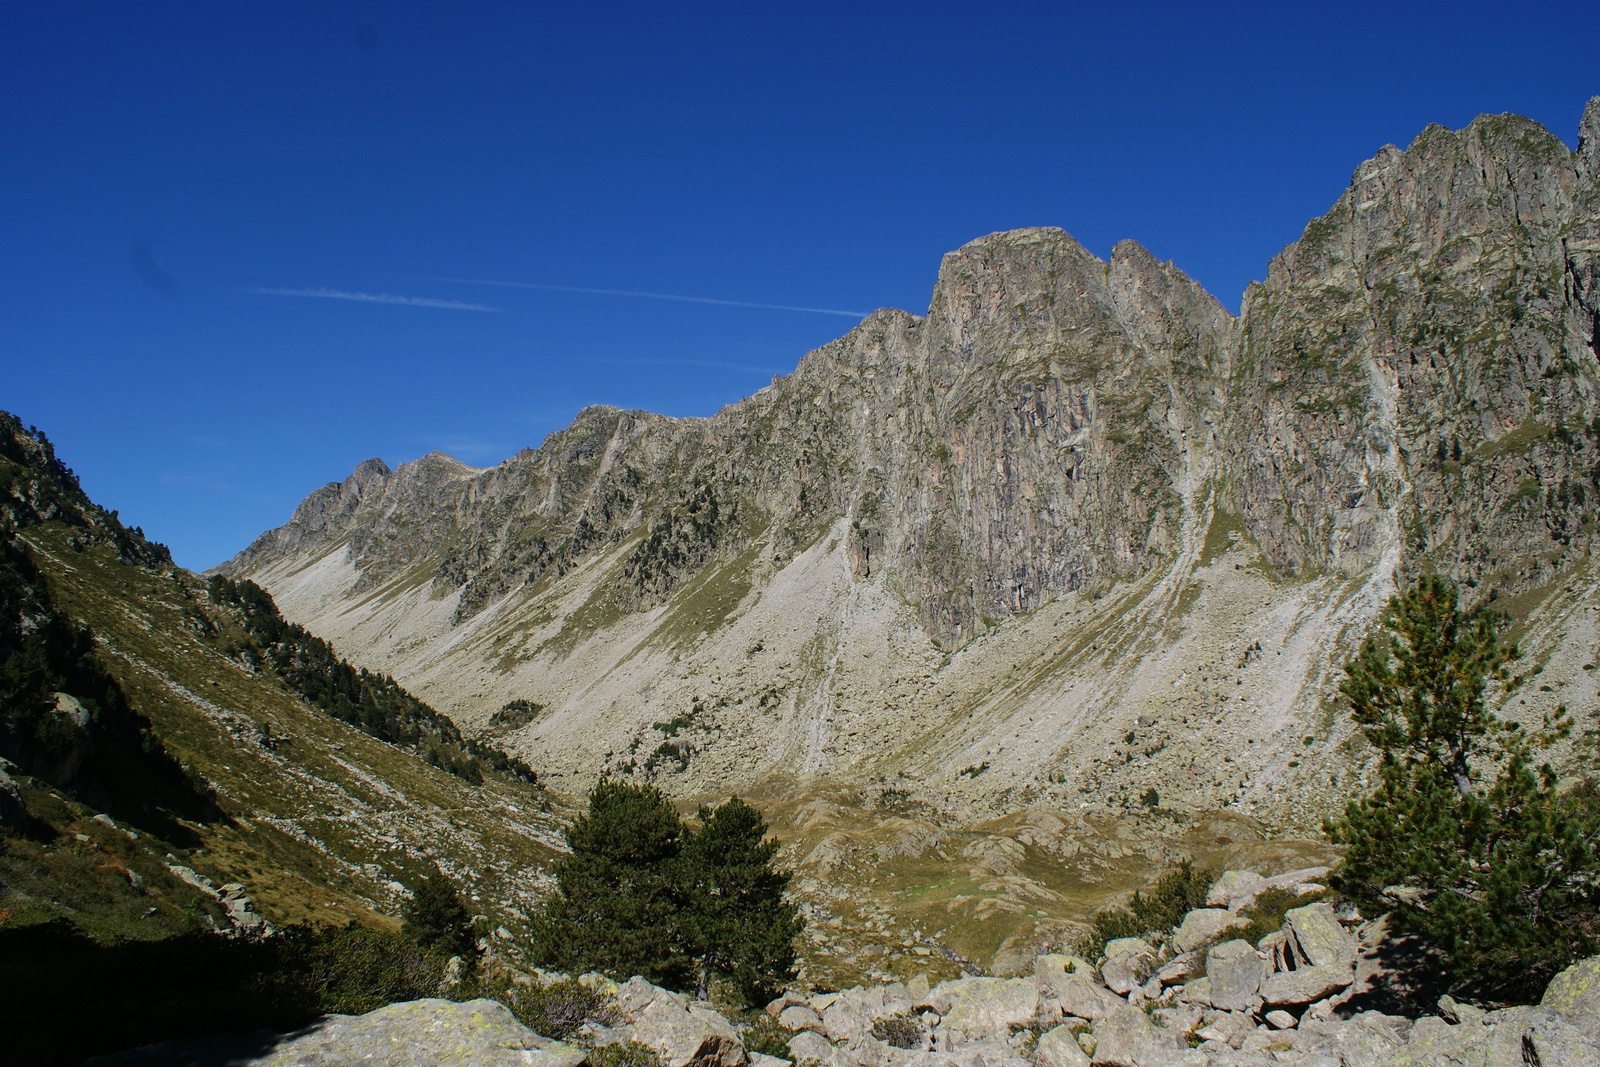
(1201, 925)
(1059, 1048)
(1234, 974)
(1129, 962)
(1053, 968)
(1575, 994)
(687, 1037)
(813, 1050)
(844, 1021)
(1078, 995)
(1234, 890)
(1197, 991)
(801, 1017)
(991, 1007)
(1288, 989)
(1120, 1036)
(1181, 968)
(1319, 936)
(418, 1033)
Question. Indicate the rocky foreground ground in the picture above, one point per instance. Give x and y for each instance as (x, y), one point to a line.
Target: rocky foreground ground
(1196, 998)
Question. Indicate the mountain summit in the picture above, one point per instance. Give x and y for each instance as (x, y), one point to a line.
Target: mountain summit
(1077, 536)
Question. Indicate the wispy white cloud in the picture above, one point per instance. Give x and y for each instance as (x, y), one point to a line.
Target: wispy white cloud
(374, 298)
(653, 296)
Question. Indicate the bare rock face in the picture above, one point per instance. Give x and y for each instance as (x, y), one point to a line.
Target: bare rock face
(1076, 532)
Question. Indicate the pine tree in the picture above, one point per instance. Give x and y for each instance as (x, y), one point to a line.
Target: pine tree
(619, 896)
(436, 917)
(739, 926)
(1465, 841)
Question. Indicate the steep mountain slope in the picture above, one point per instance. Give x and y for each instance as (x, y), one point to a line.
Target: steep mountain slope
(1077, 538)
(156, 743)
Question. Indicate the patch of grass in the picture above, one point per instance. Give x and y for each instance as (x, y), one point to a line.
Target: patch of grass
(1266, 914)
(1176, 893)
(1515, 442)
(630, 1054)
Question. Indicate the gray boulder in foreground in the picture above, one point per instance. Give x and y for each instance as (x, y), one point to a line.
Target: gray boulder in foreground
(479, 1033)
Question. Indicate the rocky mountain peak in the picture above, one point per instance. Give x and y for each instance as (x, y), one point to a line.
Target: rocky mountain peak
(985, 546)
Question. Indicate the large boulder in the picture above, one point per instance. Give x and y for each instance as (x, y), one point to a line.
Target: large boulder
(800, 1017)
(692, 1036)
(1512, 1037)
(844, 1021)
(1575, 994)
(1235, 974)
(1121, 1037)
(992, 1007)
(1203, 924)
(1235, 889)
(1053, 968)
(1319, 936)
(1288, 989)
(1129, 961)
(1077, 995)
(411, 1034)
(1059, 1048)
(813, 1050)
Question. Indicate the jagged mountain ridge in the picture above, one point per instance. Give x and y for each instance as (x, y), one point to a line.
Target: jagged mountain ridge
(1075, 535)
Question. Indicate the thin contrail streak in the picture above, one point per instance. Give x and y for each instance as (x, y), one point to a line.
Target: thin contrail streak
(653, 296)
(374, 298)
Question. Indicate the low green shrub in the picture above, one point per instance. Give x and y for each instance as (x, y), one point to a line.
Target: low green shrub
(624, 1054)
(765, 1036)
(1266, 914)
(1177, 893)
(901, 1031)
(557, 1010)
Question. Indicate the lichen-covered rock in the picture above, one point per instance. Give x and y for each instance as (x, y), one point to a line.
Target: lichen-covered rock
(1059, 1048)
(1288, 989)
(1129, 962)
(1575, 994)
(1203, 924)
(418, 1033)
(1078, 995)
(1319, 936)
(692, 1036)
(1235, 890)
(991, 1007)
(844, 1021)
(801, 1017)
(1122, 1035)
(811, 1049)
(1234, 974)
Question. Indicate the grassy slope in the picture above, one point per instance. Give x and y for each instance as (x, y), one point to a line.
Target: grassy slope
(321, 826)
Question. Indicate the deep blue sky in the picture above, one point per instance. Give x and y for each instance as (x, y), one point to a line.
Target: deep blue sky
(161, 164)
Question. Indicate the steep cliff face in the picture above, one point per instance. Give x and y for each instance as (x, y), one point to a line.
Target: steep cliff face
(1422, 361)
(1077, 533)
